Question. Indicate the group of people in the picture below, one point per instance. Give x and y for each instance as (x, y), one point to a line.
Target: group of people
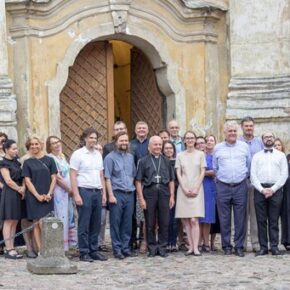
(178, 191)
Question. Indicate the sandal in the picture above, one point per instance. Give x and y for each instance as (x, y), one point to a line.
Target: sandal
(205, 249)
(15, 256)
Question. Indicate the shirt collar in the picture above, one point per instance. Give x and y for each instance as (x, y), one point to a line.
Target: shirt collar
(86, 151)
(231, 145)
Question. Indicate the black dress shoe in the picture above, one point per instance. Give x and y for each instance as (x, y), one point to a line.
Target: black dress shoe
(276, 252)
(103, 248)
(119, 256)
(130, 254)
(163, 254)
(239, 253)
(98, 256)
(86, 258)
(228, 252)
(261, 253)
(151, 255)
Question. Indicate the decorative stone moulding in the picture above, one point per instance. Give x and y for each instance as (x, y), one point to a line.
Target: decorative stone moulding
(266, 98)
(210, 4)
(201, 20)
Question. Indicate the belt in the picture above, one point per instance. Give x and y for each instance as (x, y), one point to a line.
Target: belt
(92, 189)
(155, 185)
(267, 185)
(231, 184)
(124, 191)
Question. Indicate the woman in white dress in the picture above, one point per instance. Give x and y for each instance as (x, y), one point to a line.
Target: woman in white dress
(190, 169)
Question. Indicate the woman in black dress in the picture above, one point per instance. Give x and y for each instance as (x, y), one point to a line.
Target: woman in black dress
(39, 172)
(12, 193)
(3, 138)
(169, 151)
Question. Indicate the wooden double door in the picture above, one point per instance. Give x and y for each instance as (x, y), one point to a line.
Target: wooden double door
(87, 100)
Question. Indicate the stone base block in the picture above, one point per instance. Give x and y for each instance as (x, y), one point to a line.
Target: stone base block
(51, 265)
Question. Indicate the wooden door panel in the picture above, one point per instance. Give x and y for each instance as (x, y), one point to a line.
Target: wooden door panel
(85, 97)
(146, 100)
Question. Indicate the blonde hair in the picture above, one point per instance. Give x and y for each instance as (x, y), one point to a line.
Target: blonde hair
(35, 137)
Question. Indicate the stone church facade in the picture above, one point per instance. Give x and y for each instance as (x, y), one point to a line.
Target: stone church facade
(69, 64)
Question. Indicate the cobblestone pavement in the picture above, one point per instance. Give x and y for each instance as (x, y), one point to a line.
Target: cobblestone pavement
(211, 271)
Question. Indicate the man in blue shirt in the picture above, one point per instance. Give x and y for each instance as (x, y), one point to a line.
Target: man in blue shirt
(231, 162)
(255, 145)
(120, 172)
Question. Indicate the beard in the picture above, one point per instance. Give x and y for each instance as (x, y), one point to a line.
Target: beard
(269, 144)
(123, 148)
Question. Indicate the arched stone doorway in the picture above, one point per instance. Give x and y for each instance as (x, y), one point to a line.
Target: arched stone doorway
(109, 81)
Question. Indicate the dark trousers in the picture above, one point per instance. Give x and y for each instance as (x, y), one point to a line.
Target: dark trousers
(133, 239)
(235, 197)
(157, 212)
(267, 213)
(172, 228)
(121, 221)
(89, 221)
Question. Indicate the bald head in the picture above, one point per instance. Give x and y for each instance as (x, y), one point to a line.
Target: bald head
(155, 145)
(173, 129)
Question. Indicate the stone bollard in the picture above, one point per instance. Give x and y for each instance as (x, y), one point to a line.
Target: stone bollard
(52, 259)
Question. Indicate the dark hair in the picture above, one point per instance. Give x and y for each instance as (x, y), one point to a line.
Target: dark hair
(116, 138)
(119, 123)
(171, 143)
(118, 135)
(247, 119)
(164, 131)
(199, 137)
(2, 134)
(188, 132)
(87, 132)
(7, 144)
(211, 135)
(47, 143)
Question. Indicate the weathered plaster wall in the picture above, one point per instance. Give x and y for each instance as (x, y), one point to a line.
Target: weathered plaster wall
(186, 47)
(260, 64)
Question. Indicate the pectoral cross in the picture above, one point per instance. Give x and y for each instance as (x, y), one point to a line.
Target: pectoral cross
(158, 178)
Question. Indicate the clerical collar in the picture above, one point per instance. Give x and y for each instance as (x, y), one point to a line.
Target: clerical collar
(155, 156)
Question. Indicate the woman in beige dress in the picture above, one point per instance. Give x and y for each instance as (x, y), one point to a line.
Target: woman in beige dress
(190, 168)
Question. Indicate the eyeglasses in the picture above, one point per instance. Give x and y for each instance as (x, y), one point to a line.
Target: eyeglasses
(268, 137)
(189, 138)
(56, 142)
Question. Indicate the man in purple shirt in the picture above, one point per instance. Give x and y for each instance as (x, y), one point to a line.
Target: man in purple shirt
(255, 145)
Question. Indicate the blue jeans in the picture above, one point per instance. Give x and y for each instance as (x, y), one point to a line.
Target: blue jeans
(89, 221)
(121, 215)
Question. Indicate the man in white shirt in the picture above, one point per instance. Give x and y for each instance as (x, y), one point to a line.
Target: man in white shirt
(88, 186)
(269, 172)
